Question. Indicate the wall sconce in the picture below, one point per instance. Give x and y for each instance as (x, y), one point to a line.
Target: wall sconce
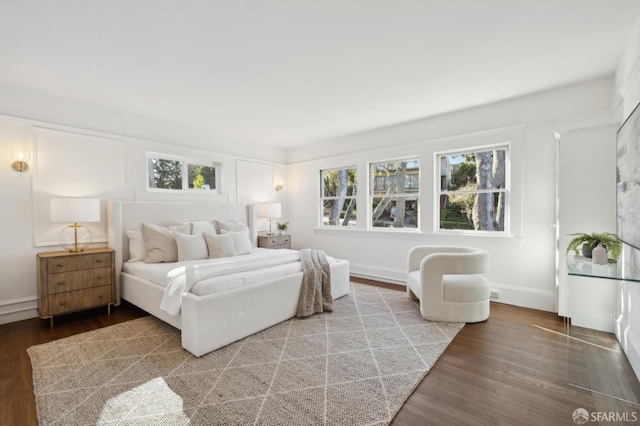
(279, 186)
(20, 160)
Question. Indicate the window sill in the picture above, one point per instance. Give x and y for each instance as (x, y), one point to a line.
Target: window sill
(425, 237)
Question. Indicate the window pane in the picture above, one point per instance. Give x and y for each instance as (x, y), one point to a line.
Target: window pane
(396, 212)
(460, 171)
(396, 177)
(479, 212)
(339, 212)
(165, 174)
(338, 183)
(201, 177)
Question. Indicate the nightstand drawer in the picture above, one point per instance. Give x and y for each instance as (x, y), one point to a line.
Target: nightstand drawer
(77, 280)
(75, 263)
(274, 241)
(81, 299)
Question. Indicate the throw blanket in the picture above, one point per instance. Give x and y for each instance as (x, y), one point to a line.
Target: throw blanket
(184, 278)
(315, 295)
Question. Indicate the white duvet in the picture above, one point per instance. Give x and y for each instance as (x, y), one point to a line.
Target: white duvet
(209, 276)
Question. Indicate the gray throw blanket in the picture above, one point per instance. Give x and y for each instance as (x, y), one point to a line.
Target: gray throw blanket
(315, 295)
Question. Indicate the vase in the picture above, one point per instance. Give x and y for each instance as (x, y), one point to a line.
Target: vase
(599, 255)
(587, 250)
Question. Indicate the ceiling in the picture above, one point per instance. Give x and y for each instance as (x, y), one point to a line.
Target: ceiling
(293, 72)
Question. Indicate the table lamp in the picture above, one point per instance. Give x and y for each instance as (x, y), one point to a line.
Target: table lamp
(269, 210)
(75, 237)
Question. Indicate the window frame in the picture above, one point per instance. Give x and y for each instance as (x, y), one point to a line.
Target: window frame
(185, 163)
(322, 198)
(438, 192)
(372, 185)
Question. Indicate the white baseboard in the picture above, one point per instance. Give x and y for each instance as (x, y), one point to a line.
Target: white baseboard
(543, 300)
(18, 309)
(388, 275)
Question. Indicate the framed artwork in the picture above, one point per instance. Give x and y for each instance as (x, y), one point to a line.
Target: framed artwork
(628, 180)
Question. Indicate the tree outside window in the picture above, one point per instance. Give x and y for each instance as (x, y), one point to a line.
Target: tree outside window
(201, 177)
(165, 174)
(395, 194)
(472, 194)
(179, 174)
(338, 197)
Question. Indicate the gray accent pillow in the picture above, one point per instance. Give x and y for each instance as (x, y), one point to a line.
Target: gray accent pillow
(191, 247)
(219, 245)
(231, 225)
(159, 242)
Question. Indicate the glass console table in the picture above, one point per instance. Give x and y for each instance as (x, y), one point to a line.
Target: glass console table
(583, 267)
(596, 361)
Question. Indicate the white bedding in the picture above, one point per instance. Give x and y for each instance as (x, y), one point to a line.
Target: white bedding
(203, 277)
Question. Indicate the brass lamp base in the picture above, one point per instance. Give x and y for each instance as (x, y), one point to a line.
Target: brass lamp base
(75, 238)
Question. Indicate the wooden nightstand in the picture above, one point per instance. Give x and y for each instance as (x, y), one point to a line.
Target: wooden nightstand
(274, 241)
(69, 282)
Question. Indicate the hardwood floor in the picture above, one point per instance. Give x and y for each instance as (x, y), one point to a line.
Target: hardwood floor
(521, 366)
(17, 402)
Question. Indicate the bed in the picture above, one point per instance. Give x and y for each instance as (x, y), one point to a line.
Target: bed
(208, 322)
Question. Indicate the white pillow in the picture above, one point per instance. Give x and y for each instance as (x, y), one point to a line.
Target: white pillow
(191, 247)
(219, 245)
(241, 241)
(201, 226)
(136, 246)
(232, 225)
(159, 242)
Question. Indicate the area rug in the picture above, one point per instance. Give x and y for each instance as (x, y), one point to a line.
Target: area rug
(355, 366)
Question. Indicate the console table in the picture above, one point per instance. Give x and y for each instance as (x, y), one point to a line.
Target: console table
(593, 290)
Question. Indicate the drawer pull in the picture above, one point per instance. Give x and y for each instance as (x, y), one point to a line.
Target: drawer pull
(99, 277)
(100, 296)
(60, 282)
(60, 265)
(62, 302)
(99, 260)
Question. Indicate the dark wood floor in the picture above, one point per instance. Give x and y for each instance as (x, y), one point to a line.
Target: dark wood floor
(519, 367)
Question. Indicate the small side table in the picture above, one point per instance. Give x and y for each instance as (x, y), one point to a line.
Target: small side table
(69, 282)
(274, 241)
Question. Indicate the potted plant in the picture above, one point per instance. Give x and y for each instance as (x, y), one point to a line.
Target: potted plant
(587, 242)
(282, 227)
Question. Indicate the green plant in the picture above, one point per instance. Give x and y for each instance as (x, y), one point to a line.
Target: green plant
(608, 239)
(283, 226)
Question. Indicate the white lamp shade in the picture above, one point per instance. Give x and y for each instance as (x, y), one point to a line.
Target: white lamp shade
(269, 210)
(66, 210)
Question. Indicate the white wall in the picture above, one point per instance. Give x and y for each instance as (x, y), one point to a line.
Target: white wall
(69, 161)
(627, 97)
(523, 264)
(31, 105)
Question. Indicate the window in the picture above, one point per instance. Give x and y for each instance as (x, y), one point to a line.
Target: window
(472, 193)
(338, 197)
(394, 194)
(180, 174)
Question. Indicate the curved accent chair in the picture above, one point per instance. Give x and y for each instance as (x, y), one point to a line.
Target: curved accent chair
(448, 283)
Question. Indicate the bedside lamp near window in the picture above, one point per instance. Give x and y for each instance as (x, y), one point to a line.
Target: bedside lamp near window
(75, 237)
(269, 210)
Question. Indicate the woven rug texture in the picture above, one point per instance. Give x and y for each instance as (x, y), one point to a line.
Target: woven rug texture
(354, 366)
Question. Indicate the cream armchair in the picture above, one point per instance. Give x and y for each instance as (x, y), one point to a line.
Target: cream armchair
(448, 283)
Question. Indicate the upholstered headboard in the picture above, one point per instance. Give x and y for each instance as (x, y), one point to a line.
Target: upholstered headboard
(128, 215)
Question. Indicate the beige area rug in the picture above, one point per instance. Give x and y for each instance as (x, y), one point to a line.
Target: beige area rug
(354, 366)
